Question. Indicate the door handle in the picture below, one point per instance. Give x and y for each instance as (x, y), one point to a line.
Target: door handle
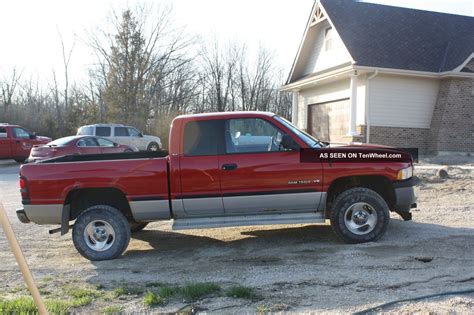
(17, 141)
(229, 167)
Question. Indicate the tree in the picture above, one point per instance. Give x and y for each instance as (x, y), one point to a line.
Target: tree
(8, 87)
(137, 64)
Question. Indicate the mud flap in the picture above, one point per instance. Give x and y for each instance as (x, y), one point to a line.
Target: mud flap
(65, 219)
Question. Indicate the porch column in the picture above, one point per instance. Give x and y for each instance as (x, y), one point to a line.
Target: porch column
(294, 108)
(353, 113)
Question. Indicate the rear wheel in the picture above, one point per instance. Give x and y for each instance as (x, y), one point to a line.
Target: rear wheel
(101, 232)
(128, 150)
(153, 146)
(137, 226)
(359, 215)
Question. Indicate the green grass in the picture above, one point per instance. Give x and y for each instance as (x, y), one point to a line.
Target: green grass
(167, 292)
(84, 292)
(114, 309)
(195, 291)
(152, 299)
(120, 291)
(264, 309)
(241, 292)
(24, 305)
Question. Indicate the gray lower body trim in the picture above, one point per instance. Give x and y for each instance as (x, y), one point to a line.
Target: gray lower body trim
(44, 214)
(203, 206)
(150, 210)
(291, 202)
(248, 220)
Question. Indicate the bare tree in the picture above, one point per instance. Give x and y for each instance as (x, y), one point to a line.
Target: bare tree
(8, 87)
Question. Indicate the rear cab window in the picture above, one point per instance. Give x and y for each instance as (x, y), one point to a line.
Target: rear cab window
(203, 138)
(102, 131)
(3, 132)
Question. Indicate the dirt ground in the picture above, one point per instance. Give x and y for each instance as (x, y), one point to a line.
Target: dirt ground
(292, 268)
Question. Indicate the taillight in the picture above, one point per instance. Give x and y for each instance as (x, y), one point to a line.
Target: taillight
(24, 189)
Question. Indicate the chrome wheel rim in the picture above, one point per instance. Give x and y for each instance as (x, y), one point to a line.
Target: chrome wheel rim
(153, 147)
(99, 235)
(360, 218)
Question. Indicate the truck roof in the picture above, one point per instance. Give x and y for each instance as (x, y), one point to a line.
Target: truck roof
(221, 115)
(9, 125)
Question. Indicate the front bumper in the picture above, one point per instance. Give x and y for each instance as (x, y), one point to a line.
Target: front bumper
(405, 198)
(20, 213)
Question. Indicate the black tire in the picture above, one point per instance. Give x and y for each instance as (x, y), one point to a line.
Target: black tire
(98, 215)
(128, 150)
(153, 146)
(345, 208)
(137, 226)
(21, 161)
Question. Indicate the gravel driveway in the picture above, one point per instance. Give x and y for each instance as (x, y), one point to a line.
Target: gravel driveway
(292, 268)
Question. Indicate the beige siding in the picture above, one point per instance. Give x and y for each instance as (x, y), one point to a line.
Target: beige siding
(318, 58)
(396, 101)
(321, 94)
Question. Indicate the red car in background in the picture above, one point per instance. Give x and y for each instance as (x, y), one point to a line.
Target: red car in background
(77, 145)
(16, 142)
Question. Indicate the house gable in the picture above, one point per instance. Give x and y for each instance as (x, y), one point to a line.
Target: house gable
(321, 48)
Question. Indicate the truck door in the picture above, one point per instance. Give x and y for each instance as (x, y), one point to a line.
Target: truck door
(199, 168)
(22, 142)
(5, 145)
(258, 175)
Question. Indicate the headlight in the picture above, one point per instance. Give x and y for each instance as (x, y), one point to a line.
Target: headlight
(405, 173)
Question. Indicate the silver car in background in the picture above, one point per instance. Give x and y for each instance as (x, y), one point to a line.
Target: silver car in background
(122, 134)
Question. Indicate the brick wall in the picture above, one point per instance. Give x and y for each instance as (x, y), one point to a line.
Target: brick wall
(400, 137)
(452, 124)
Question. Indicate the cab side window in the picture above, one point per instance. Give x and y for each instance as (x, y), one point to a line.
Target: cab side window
(252, 135)
(3, 132)
(21, 133)
(202, 137)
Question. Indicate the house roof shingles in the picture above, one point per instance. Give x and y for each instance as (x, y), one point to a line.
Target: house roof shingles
(400, 38)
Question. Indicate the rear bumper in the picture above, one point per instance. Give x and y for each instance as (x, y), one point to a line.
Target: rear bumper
(20, 213)
(40, 214)
(405, 198)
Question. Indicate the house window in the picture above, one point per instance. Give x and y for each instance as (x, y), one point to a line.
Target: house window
(328, 38)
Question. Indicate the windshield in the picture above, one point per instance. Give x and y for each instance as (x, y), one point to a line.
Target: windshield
(61, 141)
(311, 141)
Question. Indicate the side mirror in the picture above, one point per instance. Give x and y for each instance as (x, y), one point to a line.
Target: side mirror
(116, 144)
(33, 135)
(288, 143)
(140, 135)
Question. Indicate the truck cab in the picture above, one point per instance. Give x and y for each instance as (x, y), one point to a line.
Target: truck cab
(16, 142)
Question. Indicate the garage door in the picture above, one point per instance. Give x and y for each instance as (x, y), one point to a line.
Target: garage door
(329, 121)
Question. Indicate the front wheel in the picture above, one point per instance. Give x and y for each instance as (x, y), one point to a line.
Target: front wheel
(101, 233)
(359, 215)
(153, 146)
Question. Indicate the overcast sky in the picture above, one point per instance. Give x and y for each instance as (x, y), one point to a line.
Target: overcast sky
(29, 28)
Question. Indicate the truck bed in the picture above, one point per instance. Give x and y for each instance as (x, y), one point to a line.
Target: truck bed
(108, 156)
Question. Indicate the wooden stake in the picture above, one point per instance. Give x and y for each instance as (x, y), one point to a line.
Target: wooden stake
(20, 259)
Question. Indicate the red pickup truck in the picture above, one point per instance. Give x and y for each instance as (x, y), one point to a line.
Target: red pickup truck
(222, 170)
(16, 142)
